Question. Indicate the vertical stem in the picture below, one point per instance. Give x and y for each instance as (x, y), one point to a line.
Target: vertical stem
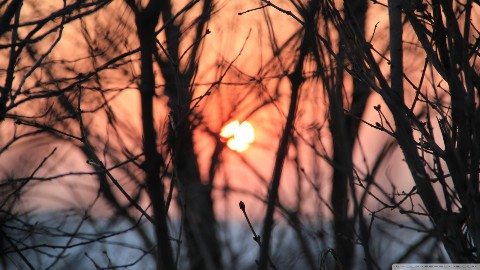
(146, 22)
(277, 173)
(396, 51)
(203, 245)
(355, 15)
(296, 80)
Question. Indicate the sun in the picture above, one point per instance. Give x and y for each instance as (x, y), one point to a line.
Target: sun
(238, 136)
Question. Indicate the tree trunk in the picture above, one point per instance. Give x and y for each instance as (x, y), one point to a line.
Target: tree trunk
(344, 129)
(195, 197)
(146, 22)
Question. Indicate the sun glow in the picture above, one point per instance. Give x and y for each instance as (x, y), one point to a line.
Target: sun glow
(238, 136)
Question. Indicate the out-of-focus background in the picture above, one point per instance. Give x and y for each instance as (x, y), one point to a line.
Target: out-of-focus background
(361, 148)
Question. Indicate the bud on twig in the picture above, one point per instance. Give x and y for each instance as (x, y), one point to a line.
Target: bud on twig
(242, 205)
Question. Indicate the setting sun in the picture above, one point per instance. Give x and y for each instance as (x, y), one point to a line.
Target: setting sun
(239, 136)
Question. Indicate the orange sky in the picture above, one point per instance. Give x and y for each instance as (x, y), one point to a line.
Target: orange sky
(229, 34)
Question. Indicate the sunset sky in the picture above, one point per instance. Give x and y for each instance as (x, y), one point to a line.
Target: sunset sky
(78, 109)
(242, 39)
